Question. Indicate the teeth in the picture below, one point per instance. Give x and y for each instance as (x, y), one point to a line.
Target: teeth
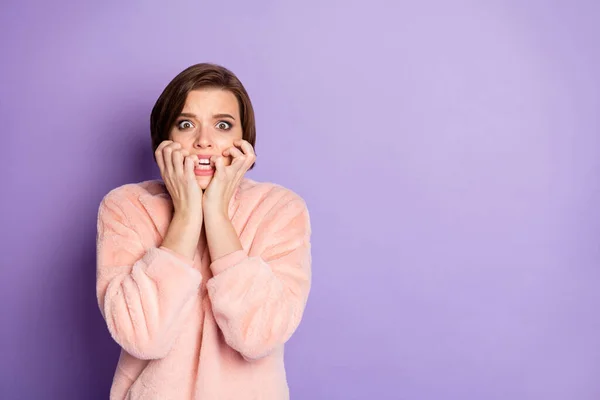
(206, 167)
(204, 161)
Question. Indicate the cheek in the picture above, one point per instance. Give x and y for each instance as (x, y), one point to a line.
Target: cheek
(226, 144)
(234, 134)
(182, 140)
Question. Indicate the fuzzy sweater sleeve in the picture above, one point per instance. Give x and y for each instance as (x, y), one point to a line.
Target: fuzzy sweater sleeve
(258, 300)
(144, 291)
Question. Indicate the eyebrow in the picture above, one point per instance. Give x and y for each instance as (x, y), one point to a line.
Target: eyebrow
(216, 116)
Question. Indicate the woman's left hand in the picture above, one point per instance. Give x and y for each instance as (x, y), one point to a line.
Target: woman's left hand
(225, 180)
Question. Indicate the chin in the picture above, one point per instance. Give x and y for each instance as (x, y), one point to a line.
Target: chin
(203, 181)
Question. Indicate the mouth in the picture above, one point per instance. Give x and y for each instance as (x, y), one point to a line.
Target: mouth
(199, 172)
(204, 168)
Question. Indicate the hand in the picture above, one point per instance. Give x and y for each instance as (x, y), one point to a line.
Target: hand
(177, 170)
(226, 178)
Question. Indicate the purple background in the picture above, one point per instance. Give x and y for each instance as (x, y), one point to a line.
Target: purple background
(449, 155)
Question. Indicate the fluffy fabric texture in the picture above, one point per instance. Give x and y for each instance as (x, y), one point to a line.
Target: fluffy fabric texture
(207, 329)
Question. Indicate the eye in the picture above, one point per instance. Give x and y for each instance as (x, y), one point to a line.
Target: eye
(184, 124)
(224, 125)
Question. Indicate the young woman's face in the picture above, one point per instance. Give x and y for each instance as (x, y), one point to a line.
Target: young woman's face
(208, 124)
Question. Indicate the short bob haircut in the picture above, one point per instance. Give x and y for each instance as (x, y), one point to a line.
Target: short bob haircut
(204, 75)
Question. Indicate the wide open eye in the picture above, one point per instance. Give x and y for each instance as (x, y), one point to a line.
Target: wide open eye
(185, 124)
(223, 125)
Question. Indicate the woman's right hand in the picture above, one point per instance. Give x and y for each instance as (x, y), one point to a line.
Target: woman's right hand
(177, 170)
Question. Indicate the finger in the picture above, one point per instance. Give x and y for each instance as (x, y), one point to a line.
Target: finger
(189, 165)
(160, 161)
(248, 151)
(178, 161)
(219, 164)
(238, 157)
(168, 157)
(233, 152)
(245, 146)
(158, 154)
(237, 161)
(162, 145)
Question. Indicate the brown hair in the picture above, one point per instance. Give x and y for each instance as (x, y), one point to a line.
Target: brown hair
(204, 75)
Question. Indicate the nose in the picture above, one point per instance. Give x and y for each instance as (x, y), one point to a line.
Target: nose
(204, 139)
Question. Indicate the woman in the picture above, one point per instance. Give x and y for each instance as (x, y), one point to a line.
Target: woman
(204, 275)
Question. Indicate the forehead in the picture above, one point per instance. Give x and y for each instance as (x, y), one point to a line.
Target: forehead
(209, 101)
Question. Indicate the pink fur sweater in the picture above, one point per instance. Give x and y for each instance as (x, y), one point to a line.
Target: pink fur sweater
(207, 329)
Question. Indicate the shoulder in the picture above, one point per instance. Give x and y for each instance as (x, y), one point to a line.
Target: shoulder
(272, 206)
(268, 196)
(136, 193)
(144, 206)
